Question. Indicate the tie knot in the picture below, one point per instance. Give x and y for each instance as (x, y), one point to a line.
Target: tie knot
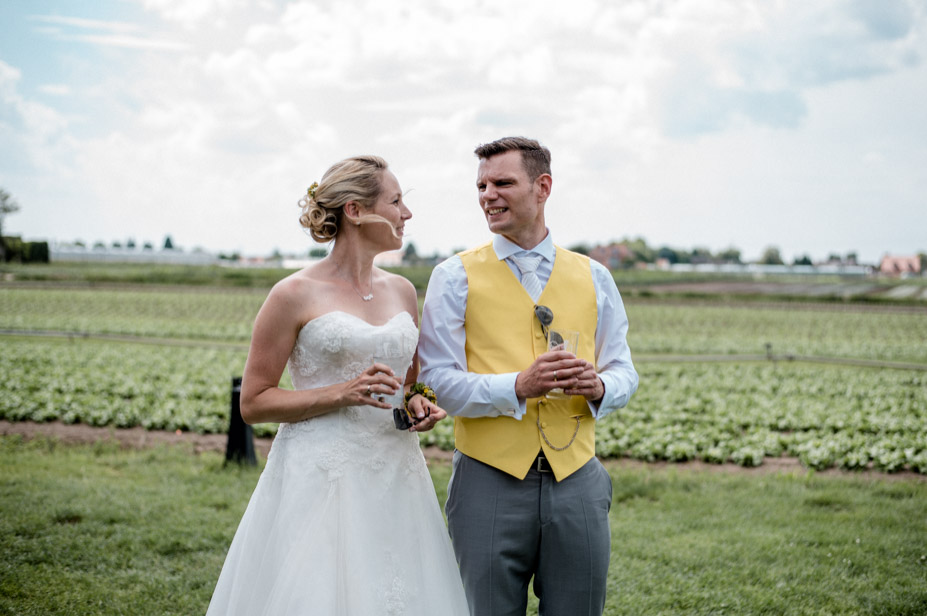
(527, 264)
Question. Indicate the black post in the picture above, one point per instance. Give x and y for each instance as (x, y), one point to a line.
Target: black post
(240, 447)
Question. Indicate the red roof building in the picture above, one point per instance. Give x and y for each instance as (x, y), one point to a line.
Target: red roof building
(898, 266)
(611, 256)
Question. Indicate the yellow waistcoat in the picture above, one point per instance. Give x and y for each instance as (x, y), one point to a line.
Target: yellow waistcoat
(503, 335)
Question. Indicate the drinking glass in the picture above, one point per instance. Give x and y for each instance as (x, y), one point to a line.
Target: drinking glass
(561, 340)
(393, 358)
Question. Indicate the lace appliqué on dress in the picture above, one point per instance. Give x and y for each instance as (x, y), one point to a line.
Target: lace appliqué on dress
(333, 458)
(395, 591)
(301, 361)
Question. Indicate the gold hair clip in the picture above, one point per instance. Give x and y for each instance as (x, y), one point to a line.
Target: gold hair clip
(311, 191)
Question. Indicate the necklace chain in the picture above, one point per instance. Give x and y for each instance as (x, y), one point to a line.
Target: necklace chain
(367, 297)
(350, 279)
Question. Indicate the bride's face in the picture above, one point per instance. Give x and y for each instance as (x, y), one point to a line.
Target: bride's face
(392, 209)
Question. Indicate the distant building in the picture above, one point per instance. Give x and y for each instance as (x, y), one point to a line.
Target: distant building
(760, 270)
(611, 256)
(298, 262)
(900, 266)
(102, 254)
(392, 258)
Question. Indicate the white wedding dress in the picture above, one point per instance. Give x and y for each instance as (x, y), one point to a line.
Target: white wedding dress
(344, 519)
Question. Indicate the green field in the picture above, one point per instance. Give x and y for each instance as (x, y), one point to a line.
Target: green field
(803, 329)
(695, 327)
(832, 384)
(202, 313)
(100, 531)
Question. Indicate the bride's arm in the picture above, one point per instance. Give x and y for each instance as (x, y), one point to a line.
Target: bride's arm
(427, 413)
(275, 330)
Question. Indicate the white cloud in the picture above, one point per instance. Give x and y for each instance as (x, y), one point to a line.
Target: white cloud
(55, 89)
(191, 13)
(88, 24)
(110, 33)
(685, 122)
(133, 42)
(41, 131)
(759, 61)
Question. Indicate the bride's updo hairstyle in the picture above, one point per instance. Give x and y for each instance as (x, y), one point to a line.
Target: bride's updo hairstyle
(353, 179)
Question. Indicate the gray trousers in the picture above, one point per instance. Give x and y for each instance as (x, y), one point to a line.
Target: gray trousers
(506, 530)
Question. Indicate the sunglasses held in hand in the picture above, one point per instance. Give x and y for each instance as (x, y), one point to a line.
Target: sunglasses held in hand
(546, 316)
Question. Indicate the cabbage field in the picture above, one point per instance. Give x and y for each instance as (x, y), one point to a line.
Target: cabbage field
(834, 385)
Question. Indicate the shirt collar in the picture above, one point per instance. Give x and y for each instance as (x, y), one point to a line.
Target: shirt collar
(505, 248)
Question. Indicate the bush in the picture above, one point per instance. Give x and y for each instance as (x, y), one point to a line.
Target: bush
(35, 252)
(15, 249)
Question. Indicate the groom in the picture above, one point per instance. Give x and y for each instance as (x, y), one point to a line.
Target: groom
(527, 496)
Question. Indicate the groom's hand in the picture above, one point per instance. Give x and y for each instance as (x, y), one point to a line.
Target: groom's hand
(550, 370)
(588, 385)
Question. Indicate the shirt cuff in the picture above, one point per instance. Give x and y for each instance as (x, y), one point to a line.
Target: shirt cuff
(595, 407)
(502, 394)
(609, 401)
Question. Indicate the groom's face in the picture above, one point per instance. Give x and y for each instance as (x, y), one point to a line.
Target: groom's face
(512, 204)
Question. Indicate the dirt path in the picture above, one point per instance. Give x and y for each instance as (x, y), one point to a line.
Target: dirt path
(140, 438)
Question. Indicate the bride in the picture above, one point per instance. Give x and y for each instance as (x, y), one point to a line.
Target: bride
(344, 519)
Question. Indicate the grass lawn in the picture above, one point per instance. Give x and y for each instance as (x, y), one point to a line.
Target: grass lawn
(99, 530)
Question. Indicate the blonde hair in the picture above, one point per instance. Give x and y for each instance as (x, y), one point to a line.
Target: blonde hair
(353, 179)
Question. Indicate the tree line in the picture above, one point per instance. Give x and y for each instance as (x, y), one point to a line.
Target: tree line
(625, 253)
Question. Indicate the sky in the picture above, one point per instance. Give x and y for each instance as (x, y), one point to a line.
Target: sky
(691, 124)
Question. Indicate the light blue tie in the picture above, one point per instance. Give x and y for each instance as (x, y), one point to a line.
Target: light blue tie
(528, 266)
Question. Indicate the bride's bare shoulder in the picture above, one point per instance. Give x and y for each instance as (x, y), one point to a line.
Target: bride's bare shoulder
(300, 280)
(306, 288)
(398, 283)
(402, 290)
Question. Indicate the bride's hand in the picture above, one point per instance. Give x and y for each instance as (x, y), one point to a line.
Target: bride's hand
(377, 380)
(426, 412)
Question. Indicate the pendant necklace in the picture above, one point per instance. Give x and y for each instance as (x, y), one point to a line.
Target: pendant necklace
(367, 297)
(350, 279)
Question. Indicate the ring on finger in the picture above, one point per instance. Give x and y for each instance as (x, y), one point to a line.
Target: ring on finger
(555, 375)
(368, 391)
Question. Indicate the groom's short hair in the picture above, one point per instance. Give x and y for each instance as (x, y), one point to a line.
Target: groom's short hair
(534, 156)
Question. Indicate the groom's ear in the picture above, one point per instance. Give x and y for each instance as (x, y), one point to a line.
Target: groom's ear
(543, 183)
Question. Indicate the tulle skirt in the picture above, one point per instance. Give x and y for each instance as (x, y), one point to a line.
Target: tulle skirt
(332, 531)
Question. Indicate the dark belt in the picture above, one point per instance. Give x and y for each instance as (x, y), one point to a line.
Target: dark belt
(542, 464)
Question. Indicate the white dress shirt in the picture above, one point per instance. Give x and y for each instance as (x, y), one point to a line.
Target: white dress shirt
(443, 337)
